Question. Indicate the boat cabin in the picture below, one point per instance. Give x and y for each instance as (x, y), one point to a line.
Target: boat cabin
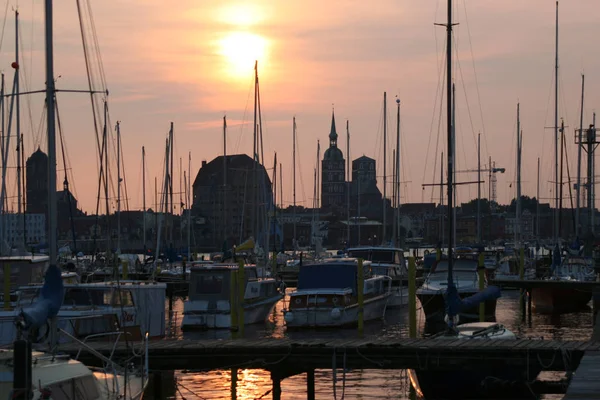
(212, 283)
(388, 261)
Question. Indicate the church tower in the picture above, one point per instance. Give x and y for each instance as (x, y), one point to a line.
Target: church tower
(333, 178)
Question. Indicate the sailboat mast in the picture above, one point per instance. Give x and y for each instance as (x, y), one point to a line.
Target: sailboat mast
(580, 144)
(537, 206)
(170, 189)
(18, 126)
(383, 238)
(225, 225)
(397, 182)
(50, 119)
(189, 201)
(254, 155)
(453, 124)
(144, 200)
(118, 186)
(479, 188)
(450, 150)
(518, 208)
(556, 188)
(294, 179)
(442, 198)
(348, 173)
(593, 187)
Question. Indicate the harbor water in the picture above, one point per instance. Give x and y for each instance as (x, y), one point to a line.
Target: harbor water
(352, 384)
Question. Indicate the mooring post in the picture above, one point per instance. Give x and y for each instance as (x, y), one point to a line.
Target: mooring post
(170, 291)
(521, 277)
(412, 298)
(183, 269)
(233, 307)
(125, 269)
(157, 383)
(234, 372)
(7, 286)
(438, 254)
(481, 274)
(310, 384)
(595, 310)
(529, 300)
(22, 370)
(360, 288)
(241, 294)
(276, 386)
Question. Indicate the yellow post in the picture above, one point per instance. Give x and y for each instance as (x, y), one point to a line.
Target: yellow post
(233, 302)
(125, 267)
(412, 298)
(438, 254)
(481, 273)
(241, 294)
(360, 286)
(521, 277)
(6, 286)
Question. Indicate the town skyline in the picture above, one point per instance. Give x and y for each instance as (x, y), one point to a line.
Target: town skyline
(193, 64)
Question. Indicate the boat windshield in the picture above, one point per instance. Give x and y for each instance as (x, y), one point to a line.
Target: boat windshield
(376, 255)
(206, 284)
(458, 265)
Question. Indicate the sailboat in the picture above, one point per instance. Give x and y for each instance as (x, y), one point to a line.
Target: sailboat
(556, 299)
(42, 376)
(458, 384)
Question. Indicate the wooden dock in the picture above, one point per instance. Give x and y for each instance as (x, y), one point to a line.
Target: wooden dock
(290, 357)
(585, 384)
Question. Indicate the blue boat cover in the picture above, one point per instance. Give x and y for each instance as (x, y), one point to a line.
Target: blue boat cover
(49, 300)
(327, 276)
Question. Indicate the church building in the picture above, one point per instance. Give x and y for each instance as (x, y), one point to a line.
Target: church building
(333, 177)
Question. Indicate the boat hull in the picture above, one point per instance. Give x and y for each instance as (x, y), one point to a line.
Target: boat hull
(398, 298)
(434, 307)
(325, 317)
(253, 313)
(553, 300)
(493, 382)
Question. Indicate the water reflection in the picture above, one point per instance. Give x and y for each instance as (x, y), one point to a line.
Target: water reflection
(355, 384)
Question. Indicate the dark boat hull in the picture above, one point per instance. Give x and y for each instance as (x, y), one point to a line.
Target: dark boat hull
(554, 300)
(434, 307)
(500, 382)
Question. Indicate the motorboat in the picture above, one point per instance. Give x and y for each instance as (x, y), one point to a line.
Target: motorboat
(466, 279)
(387, 261)
(327, 295)
(508, 269)
(554, 299)
(477, 383)
(95, 308)
(209, 297)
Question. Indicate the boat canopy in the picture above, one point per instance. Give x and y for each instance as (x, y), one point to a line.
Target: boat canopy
(336, 275)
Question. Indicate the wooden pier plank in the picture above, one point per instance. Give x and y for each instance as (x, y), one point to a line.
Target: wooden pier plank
(585, 384)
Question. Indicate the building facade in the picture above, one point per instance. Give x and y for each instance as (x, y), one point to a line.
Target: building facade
(231, 210)
(36, 171)
(15, 227)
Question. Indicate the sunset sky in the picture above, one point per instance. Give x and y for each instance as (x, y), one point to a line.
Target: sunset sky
(191, 62)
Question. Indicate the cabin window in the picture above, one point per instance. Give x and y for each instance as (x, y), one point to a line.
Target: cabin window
(86, 297)
(122, 298)
(209, 284)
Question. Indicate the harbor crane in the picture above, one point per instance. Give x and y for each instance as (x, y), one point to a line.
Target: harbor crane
(492, 170)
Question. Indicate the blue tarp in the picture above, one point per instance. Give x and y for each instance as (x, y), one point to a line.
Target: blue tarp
(330, 276)
(49, 301)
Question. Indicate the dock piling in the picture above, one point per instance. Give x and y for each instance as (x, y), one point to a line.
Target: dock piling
(276, 386)
(125, 269)
(234, 372)
(412, 298)
(481, 275)
(360, 294)
(521, 277)
(310, 384)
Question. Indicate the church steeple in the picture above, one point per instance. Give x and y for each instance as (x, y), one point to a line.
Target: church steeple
(333, 133)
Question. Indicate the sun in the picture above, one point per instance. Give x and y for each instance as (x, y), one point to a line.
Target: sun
(240, 50)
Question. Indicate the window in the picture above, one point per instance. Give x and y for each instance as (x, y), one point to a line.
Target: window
(208, 284)
(123, 298)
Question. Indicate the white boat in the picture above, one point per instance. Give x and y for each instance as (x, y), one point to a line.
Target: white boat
(387, 261)
(508, 269)
(326, 295)
(435, 384)
(466, 280)
(208, 305)
(94, 308)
